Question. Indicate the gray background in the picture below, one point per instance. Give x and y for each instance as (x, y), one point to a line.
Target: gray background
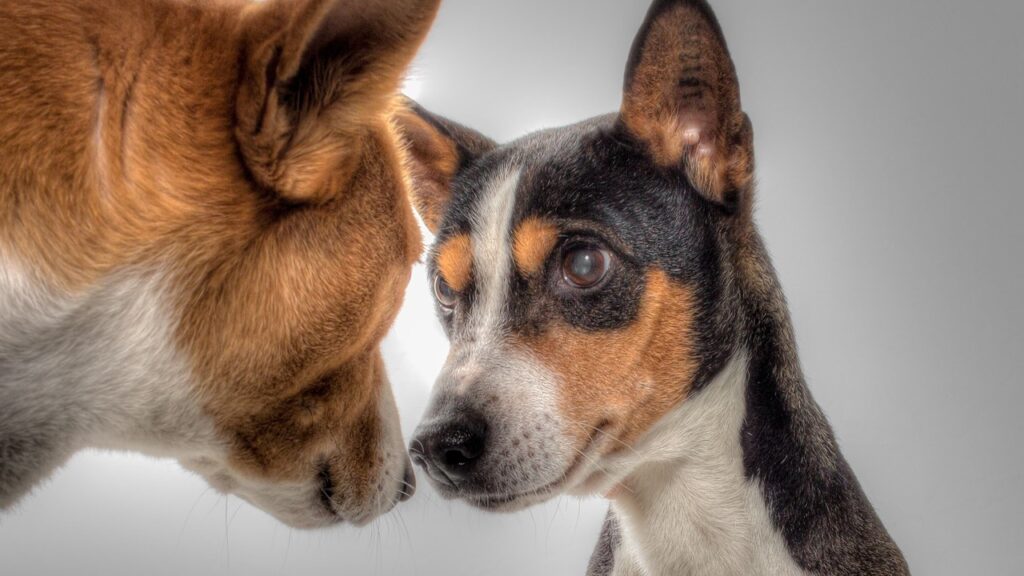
(889, 155)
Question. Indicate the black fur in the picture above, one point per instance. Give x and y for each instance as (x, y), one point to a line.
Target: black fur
(815, 499)
(602, 561)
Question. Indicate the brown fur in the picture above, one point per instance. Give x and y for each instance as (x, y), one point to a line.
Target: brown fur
(152, 134)
(455, 261)
(624, 380)
(532, 244)
(689, 115)
(433, 162)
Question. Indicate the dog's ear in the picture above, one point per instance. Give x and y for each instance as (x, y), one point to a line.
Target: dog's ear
(438, 149)
(682, 100)
(316, 74)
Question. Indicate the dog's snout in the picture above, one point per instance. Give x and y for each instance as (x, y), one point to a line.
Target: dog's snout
(451, 448)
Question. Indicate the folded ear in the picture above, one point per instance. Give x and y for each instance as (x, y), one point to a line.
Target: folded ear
(438, 149)
(682, 100)
(316, 74)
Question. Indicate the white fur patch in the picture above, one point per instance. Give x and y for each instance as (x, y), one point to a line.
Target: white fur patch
(688, 508)
(106, 355)
(492, 256)
(101, 369)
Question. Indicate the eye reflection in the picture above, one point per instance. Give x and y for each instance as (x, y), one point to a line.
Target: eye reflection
(585, 266)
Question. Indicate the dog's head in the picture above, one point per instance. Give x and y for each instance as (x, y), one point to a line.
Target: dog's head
(257, 166)
(578, 272)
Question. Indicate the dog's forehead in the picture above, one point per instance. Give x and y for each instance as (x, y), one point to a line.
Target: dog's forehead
(558, 173)
(587, 174)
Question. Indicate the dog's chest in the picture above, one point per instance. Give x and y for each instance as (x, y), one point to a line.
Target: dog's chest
(683, 536)
(696, 513)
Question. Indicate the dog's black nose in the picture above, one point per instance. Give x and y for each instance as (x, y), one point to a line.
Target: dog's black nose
(451, 448)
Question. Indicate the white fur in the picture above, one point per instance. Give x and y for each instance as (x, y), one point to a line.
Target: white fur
(686, 506)
(492, 259)
(93, 369)
(104, 357)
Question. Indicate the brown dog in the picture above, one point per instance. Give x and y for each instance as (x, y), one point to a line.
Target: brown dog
(204, 235)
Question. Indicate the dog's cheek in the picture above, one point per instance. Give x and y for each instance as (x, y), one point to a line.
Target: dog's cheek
(667, 362)
(291, 437)
(623, 380)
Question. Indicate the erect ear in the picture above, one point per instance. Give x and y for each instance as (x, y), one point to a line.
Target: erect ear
(438, 149)
(682, 100)
(316, 74)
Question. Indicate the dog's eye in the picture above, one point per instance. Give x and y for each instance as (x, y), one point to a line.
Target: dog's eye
(445, 294)
(584, 266)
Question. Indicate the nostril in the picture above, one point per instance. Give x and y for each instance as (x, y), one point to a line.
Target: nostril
(457, 448)
(462, 450)
(456, 458)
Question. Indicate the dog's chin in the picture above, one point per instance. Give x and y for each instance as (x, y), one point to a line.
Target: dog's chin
(315, 520)
(510, 502)
(313, 515)
(567, 483)
(499, 501)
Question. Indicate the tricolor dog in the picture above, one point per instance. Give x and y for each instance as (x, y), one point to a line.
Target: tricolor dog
(205, 232)
(616, 328)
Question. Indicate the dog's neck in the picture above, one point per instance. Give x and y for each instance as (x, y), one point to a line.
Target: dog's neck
(87, 370)
(745, 476)
(690, 509)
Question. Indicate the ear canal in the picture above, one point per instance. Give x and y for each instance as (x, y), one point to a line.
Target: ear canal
(317, 74)
(437, 150)
(682, 101)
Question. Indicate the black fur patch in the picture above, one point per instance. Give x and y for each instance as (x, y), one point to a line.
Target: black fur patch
(602, 562)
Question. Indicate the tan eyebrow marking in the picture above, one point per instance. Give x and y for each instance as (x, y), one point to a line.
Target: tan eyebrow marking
(533, 241)
(455, 261)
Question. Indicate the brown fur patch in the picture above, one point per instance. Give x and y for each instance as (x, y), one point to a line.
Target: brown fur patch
(683, 101)
(433, 160)
(628, 378)
(120, 151)
(317, 74)
(455, 261)
(533, 241)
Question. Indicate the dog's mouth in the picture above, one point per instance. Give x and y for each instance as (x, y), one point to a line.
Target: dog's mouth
(577, 471)
(332, 514)
(325, 494)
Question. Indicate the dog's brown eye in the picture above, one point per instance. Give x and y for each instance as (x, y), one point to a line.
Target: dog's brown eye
(445, 294)
(585, 266)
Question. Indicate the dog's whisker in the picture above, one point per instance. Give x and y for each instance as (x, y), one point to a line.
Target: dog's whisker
(606, 434)
(190, 511)
(597, 464)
